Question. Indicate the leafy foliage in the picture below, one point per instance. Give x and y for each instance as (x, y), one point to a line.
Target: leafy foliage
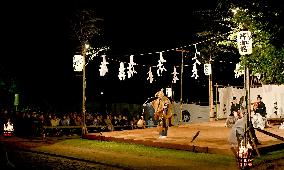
(262, 18)
(84, 26)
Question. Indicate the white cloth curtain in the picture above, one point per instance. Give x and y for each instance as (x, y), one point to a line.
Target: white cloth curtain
(270, 94)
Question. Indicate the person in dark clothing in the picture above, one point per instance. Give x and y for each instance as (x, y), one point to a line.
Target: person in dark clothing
(261, 109)
(235, 107)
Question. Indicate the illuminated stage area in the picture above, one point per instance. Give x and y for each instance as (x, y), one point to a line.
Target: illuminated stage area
(212, 138)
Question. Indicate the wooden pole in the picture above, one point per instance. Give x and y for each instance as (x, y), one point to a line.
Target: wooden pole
(216, 102)
(181, 81)
(84, 131)
(211, 105)
(181, 77)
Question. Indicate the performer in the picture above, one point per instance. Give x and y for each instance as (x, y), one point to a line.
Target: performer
(235, 109)
(261, 109)
(256, 119)
(163, 112)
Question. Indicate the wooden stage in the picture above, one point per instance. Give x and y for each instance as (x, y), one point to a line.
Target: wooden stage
(211, 139)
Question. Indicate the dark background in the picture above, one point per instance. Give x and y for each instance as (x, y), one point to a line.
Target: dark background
(38, 51)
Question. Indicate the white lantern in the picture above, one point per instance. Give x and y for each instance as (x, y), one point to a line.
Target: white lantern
(78, 62)
(207, 69)
(244, 42)
(169, 92)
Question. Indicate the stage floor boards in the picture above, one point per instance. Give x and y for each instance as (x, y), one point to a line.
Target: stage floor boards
(213, 137)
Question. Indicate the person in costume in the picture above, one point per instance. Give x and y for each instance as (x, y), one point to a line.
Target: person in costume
(261, 109)
(163, 112)
(235, 109)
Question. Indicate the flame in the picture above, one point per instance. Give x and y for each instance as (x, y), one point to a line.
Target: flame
(244, 154)
(9, 127)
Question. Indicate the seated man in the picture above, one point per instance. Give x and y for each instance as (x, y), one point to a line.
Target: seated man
(231, 120)
(261, 109)
(237, 131)
(256, 119)
(233, 117)
(141, 124)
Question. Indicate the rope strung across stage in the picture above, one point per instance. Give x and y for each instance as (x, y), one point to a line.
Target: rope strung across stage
(93, 52)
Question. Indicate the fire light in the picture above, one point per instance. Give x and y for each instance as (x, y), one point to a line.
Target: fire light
(8, 128)
(244, 155)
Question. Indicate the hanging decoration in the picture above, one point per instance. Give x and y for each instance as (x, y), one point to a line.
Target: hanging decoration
(78, 63)
(207, 69)
(244, 41)
(175, 73)
(194, 68)
(121, 74)
(103, 67)
(130, 68)
(160, 65)
(238, 71)
(93, 52)
(150, 75)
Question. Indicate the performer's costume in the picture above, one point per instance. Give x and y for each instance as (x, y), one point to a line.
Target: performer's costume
(261, 109)
(163, 112)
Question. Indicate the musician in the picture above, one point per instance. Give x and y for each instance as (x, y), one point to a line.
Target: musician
(235, 107)
(261, 109)
(163, 112)
(233, 117)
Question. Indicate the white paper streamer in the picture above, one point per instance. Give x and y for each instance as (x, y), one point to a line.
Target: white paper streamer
(121, 74)
(160, 65)
(150, 75)
(175, 73)
(103, 67)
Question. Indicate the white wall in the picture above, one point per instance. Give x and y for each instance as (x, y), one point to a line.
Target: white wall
(269, 93)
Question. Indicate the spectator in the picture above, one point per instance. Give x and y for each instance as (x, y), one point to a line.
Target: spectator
(115, 121)
(141, 124)
(124, 121)
(65, 121)
(150, 122)
(108, 123)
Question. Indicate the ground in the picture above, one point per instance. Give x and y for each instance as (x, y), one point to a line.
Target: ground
(77, 153)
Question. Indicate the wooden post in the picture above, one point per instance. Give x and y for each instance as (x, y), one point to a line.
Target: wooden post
(211, 105)
(181, 77)
(84, 130)
(216, 102)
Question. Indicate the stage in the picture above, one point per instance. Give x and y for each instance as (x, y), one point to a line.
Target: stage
(211, 139)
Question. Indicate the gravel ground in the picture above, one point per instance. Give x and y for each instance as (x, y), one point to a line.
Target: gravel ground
(31, 161)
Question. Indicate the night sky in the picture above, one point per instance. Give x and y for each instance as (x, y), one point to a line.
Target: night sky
(38, 51)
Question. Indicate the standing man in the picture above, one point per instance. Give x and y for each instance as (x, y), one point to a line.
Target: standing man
(163, 112)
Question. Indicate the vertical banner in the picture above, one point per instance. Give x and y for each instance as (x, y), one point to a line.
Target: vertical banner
(207, 69)
(244, 42)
